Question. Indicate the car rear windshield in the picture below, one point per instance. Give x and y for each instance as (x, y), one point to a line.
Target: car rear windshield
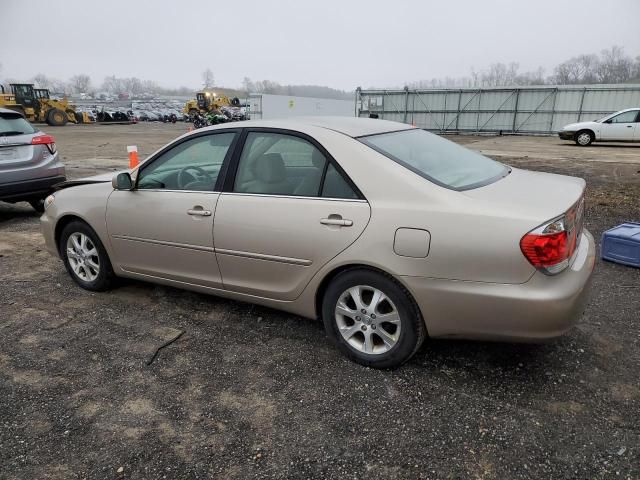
(14, 124)
(436, 159)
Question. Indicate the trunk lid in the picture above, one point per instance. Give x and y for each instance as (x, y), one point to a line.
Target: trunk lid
(535, 196)
(16, 151)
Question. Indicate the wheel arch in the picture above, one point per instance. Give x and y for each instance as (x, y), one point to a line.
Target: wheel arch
(63, 222)
(324, 284)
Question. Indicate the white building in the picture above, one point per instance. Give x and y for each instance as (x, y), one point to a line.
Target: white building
(265, 106)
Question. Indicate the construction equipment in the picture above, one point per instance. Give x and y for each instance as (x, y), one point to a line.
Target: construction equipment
(208, 102)
(37, 105)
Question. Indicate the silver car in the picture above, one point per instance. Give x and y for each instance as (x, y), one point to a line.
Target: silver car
(29, 163)
(387, 233)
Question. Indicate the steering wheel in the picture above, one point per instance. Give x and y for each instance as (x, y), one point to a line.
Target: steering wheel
(184, 173)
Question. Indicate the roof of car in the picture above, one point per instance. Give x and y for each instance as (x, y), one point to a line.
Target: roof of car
(351, 126)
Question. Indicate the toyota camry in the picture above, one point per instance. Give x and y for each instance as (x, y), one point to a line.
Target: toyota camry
(387, 233)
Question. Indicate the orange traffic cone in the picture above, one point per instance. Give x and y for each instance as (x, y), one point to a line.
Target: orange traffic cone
(133, 156)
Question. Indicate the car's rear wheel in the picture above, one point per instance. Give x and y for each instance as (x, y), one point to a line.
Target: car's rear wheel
(584, 138)
(85, 258)
(372, 319)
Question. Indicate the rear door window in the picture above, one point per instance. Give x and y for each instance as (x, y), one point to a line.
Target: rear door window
(279, 164)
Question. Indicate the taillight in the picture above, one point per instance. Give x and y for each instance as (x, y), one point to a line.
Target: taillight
(47, 140)
(550, 246)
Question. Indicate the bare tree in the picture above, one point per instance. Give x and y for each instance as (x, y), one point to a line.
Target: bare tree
(614, 66)
(207, 78)
(248, 86)
(80, 83)
(41, 81)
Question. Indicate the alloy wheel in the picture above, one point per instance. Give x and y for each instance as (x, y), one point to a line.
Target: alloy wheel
(83, 257)
(368, 320)
(584, 139)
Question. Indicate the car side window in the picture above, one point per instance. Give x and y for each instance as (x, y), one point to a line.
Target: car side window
(279, 164)
(335, 185)
(626, 117)
(191, 165)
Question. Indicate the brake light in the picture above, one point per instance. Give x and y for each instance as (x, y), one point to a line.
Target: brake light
(47, 140)
(550, 246)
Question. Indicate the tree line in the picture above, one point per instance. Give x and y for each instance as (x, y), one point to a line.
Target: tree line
(610, 66)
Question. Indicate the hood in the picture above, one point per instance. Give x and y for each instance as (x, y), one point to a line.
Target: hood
(536, 196)
(579, 125)
(101, 178)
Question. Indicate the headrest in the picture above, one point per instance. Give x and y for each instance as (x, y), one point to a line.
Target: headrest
(270, 168)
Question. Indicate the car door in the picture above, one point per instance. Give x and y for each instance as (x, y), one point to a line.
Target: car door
(286, 210)
(620, 127)
(164, 226)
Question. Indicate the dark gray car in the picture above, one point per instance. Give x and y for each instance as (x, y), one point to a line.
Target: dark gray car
(29, 164)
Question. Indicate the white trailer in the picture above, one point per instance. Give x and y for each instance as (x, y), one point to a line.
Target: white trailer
(266, 106)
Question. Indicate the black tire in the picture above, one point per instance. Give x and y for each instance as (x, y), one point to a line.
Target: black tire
(105, 277)
(412, 328)
(235, 101)
(79, 118)
(581, 136)
(37, 204)
(56, 117)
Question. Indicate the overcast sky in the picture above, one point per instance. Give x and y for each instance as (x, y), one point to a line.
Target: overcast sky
(339, 43)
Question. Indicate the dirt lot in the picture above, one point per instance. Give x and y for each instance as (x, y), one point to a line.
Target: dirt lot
(249, 392)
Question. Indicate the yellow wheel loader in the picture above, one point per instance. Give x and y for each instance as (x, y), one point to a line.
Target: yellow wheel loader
(37, 105)
(208, 102)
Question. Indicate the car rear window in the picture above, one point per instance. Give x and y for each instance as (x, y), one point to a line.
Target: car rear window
(14, 124)
(438, 160)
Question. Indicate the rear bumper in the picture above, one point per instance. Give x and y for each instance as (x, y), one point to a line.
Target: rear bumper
(542, 308)
(27, 189)
(566, 135)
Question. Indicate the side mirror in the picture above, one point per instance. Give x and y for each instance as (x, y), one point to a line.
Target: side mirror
(608, 121)
(122, 181)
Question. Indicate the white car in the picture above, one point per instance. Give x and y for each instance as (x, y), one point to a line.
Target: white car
(622, 126)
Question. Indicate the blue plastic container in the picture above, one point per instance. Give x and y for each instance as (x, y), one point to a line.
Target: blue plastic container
(621, 244)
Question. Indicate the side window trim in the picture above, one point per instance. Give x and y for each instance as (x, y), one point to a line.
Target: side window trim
(219, 181)
(232, 170)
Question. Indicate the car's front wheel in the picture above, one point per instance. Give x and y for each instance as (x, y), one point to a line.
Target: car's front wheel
(85, 258)
(584, 138)
(372, 319)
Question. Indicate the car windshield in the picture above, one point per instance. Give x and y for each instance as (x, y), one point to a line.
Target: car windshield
(14, 124)
(436, 159)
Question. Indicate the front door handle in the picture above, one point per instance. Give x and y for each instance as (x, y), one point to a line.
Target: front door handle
(199, 212)
(337, 220)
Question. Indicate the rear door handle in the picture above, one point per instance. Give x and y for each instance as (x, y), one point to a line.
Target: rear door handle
(336, 221)
(199, 212)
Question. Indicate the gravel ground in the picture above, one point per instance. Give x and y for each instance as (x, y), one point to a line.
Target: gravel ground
(249, 392)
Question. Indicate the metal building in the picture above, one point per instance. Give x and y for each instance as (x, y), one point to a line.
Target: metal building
(526, 110)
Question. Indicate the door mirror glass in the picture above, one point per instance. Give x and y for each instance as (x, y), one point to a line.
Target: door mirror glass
(122, 181)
